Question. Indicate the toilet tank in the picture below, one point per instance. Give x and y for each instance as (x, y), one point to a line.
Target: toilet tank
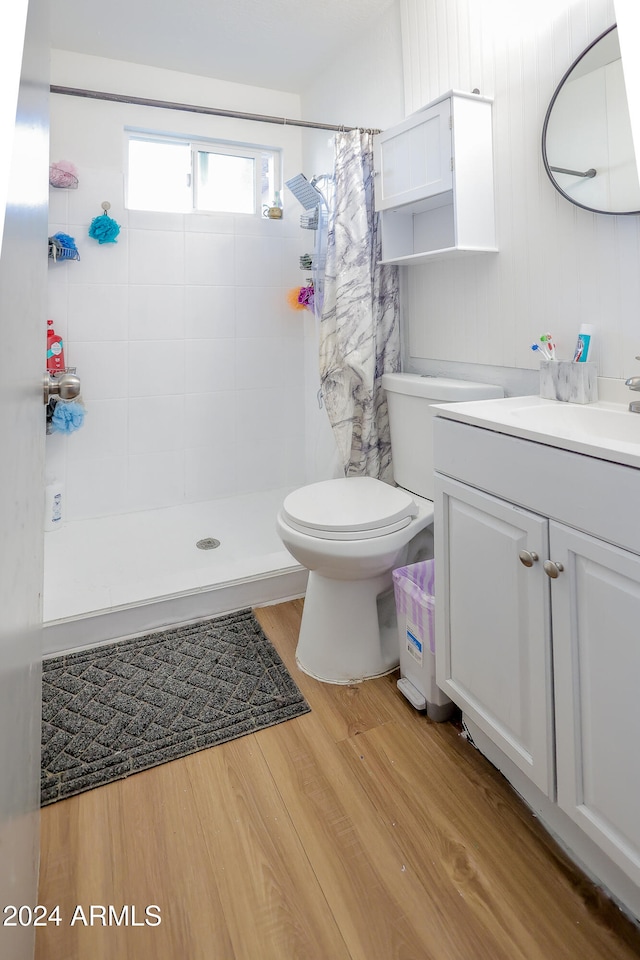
(410, 397)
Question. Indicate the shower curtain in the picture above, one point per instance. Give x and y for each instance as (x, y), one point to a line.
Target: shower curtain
(359, 325)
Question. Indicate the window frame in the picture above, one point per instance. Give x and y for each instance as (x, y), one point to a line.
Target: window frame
(253, 151)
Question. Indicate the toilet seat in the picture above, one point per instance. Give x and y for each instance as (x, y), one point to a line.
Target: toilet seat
(354, 508)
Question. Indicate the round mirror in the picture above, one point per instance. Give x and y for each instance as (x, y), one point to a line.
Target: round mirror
(587, 146)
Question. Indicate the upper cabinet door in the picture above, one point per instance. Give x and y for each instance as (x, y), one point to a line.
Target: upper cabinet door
(413, 160)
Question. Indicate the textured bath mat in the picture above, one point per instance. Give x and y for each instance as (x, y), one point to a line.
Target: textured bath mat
(117, 709)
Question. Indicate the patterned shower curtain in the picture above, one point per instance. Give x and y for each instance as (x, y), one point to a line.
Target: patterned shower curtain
(359, 326)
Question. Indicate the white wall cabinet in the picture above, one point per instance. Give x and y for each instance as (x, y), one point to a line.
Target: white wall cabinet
(547, 667)
(413, 160)
(434, 181)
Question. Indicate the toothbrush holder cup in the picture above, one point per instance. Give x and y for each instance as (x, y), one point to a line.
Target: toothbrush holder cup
(569, 381)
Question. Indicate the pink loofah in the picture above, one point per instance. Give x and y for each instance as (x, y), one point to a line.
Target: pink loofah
(63, 174)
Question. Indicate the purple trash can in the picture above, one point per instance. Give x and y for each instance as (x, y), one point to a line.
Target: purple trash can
(414, 590)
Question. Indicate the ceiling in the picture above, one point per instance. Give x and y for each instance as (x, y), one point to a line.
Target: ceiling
(279, 44)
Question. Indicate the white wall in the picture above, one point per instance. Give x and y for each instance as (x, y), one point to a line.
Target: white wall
(191, 362)
(558, 265)
(362, 87)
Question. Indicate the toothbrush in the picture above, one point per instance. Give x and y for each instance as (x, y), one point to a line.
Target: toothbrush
(541, 348)
(547, 339)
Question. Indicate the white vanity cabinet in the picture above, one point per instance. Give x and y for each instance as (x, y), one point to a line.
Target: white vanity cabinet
(494, 657)
(596, 655)
(537, 636)
(434, 181)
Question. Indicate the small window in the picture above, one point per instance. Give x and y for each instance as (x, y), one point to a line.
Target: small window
(182, 176)
(159, 175)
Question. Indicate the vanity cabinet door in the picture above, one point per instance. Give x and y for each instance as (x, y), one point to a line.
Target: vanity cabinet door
(413, 159)
(596, 639)
(493, 655)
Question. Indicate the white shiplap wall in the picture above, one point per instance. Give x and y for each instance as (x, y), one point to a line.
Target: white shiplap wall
(558, 265)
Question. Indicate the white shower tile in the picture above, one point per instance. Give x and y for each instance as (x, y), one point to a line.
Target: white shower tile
(96, 488)
(156, 256)
(266, 313)
(267, 362)
(156, 312)
(57, 306)
(292, 360)
(261, 464)
(252, 226)
(209, 365)
(154, 220)
(58, 271)
(210, 472)
(258, 262)
(211, 419)
(156, 367)
(269, 412)
(210, 223)
(100, 263)
(97, 311)
(96, 185)
(209, 258)
(58, 204)
(156, 424)
(209, 312)
(56, 457)
(103, 434)
(102, 368)
(155, 480)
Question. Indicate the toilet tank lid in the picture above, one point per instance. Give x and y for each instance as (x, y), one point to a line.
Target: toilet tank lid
(440, 389)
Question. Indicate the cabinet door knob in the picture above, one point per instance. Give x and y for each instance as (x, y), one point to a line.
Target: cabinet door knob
(552, 569)
(528, 558)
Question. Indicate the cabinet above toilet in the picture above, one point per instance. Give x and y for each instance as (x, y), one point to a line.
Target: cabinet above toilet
(434, 181)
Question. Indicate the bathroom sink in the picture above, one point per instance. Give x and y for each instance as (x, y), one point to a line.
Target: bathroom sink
(603, 429)
(598, 423)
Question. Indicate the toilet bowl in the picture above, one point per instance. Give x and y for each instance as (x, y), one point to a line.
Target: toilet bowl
(351, 533)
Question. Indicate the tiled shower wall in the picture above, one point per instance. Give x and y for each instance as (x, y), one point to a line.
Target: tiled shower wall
(191, 362)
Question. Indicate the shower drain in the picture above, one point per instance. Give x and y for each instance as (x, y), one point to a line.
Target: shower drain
(208, 543)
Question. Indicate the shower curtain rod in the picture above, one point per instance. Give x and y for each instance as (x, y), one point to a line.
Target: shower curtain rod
(191, 108)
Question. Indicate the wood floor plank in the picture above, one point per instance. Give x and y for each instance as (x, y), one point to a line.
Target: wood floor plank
(137, 841)
(382, 908)
(273, 905)
(347, 709)
(360, 831)
(473, 845)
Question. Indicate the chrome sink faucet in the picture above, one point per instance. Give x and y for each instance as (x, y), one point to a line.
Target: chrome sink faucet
(634, 384)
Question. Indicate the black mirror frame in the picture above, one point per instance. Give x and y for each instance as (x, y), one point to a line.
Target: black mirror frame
(611, 213)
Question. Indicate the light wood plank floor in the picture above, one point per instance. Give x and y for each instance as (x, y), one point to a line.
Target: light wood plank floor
(360, 831)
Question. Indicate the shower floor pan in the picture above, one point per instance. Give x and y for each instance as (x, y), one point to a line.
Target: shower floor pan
(118, 576)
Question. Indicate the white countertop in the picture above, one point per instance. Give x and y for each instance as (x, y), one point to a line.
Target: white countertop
(603, 429)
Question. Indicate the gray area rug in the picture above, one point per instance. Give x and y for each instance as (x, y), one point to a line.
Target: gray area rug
(123, 707)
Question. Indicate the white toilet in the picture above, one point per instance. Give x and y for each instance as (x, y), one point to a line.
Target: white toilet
(351, 533)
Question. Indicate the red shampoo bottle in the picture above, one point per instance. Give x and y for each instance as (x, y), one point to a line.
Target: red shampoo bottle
(55, 351)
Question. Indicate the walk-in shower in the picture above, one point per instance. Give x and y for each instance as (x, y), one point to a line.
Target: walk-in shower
(121, 575)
